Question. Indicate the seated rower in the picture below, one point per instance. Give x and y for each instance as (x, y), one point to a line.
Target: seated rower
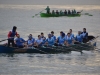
(74, 11)
(69, 12)
(30, 41)
(61, 40)
(61, 13)
(20, 42)
(53, 12)
(85, 35)
(52, 35)
(65, 12)
(79, 37)
(48, 10)
(69, 39)
(57, 12)
(50, 41)
(43, 38)
(39, 41)
(72, 35)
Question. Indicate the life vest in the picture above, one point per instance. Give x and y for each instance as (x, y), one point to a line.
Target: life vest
(12, 34)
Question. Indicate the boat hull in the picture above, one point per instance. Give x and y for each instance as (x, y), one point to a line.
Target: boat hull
(90, 45)
(57, 15)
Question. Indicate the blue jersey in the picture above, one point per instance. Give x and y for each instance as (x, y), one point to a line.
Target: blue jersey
(54, 37)
(44, 40)
(69, 39)
(31, 41)
(39, 41)
(79, 38)
(72, 35)
(61, 40)
(50, 41)
(85, 35)
(19, 41)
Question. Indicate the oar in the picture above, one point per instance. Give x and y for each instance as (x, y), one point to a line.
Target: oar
(3, 40)
(38, 13)
(80, 11)
(40, 50)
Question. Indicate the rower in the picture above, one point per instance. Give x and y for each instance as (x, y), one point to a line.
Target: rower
(53, 12)
(69, 12)
(61, 40)
(85, 35)
(74, 11)
(61, 13)
(20, 42)
(57, 12)
(43, 38)
(30, 41)
(50, 41)
(48, 10)
(79, 37)
(72, 35)
(69, 39)
(65, 12)
(11, 36)
(53, 36)
(39, 41)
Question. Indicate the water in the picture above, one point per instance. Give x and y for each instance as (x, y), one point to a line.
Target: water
(75, 63)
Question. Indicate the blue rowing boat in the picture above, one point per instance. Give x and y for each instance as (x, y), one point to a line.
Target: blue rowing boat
(90, 45)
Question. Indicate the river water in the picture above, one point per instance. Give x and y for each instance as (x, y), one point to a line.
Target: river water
(73, 63)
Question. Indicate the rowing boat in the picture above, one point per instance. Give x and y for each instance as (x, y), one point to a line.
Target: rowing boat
(51, 50)
(58, 15)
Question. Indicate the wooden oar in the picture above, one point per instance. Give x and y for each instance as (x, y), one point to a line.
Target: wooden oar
(38, 13)
(3, 40)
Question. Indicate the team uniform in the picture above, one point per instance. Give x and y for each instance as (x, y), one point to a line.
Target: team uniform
(19, 42)
(31, 42)
(50, 41)
(79, 38)
(61, 40)
(85, 37)
(54, 37)
(69, 39)
(39, 42)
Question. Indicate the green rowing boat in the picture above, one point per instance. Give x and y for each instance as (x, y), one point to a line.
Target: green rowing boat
(58, 15)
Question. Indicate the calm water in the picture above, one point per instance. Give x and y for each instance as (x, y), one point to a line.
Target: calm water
(75, 63)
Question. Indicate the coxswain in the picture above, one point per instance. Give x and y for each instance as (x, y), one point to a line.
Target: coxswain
(11, 36)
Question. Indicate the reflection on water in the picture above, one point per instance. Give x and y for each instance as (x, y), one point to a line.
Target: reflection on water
(74, 63)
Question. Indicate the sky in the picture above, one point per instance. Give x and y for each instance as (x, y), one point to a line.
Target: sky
(50, 2)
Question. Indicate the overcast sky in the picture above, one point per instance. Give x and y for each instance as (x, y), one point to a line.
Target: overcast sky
(51, 2)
